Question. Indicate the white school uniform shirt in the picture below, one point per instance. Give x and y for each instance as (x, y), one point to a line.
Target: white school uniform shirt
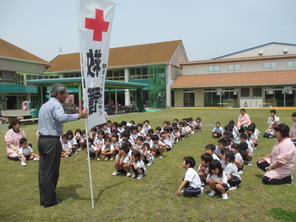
(140, 163)
(99, 141)
(218, 130)
(216, 177)
(92, 148)
(73, 141)
(116, 144)
(154, 145)
(192, 177)
(145, 129)
(215, 157)
(138, 146)
(111, 147)
(135, 136)
(126, 158)
(26, 151)
(250, 146)
(120, 130)
(232, 170)
(66, 146)
(107, 131)
(150, 142)
(238, 157)
(78, 137)
(168, 142)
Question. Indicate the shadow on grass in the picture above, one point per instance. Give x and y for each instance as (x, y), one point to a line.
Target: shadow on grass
(71, 192)
(106, 188)
(284, 215)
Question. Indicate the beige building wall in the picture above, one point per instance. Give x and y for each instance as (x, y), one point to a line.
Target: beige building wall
(199, 98)
(178, 97)
(272, 49)
(248, 66)
(10, 65)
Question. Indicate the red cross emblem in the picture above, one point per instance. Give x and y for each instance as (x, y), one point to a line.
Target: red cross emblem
(98, 25)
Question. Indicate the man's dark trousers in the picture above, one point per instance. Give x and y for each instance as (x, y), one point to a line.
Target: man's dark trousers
(50, 149)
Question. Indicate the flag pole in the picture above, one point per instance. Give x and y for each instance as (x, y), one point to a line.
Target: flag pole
(85, 121)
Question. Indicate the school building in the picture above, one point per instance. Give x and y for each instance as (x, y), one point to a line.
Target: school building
(155, 64)
(24, 76)
(17, 66)
(261, 76)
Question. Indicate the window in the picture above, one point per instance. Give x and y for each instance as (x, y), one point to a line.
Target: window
(72, 74)
(245, 92)
(257, 92)
(214, 68)
(19, 79)
(115, 74)
(8, 77)
(188, 98)
(270, 65)
(291, 63)
(234, 67)
(138, 73)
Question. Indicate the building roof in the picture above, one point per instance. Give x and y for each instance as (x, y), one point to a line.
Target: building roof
(266, 78)
(256, 47)
(153, 53)
(228, 60)
(77, 81)
(10, 51)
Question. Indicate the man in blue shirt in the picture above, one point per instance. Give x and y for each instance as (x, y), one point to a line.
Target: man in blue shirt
(50, 128)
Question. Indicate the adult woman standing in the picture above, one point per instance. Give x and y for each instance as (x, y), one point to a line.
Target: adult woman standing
(12, 138)
(280, 162)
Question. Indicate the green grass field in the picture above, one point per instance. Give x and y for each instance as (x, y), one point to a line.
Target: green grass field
(154, 197)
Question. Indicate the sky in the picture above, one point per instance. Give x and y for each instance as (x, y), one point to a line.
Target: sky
(208, 28)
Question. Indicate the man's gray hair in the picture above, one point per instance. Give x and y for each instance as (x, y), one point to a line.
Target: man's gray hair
(57, 88)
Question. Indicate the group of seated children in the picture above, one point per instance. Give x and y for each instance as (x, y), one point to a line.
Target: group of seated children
(72, 143)
(220, 165)
(221, 175)
(244, 140)
(131, 145)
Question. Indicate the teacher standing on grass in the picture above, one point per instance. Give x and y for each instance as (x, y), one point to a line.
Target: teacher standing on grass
(50, 128)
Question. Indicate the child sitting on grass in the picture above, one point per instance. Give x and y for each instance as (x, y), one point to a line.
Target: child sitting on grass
(198, 124)
(157, 147)
(221, 147)
(137, 166)
(26, 150)
(122, 161)
(203, 168)
(238, 159)
(217, 180)
(66, 146)
(146, 154)
(138, 143)
(210, 149)
(72, 141)
(108, 150)
(231, 170)
(217, 130)
(191, 184)
(246, 151)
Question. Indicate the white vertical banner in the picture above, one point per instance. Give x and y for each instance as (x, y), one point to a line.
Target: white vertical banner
(95, 19)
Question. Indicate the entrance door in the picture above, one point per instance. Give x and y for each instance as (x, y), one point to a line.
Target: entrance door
(11, 102)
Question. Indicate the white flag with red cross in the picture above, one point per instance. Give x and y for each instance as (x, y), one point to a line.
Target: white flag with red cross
(95, 28)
